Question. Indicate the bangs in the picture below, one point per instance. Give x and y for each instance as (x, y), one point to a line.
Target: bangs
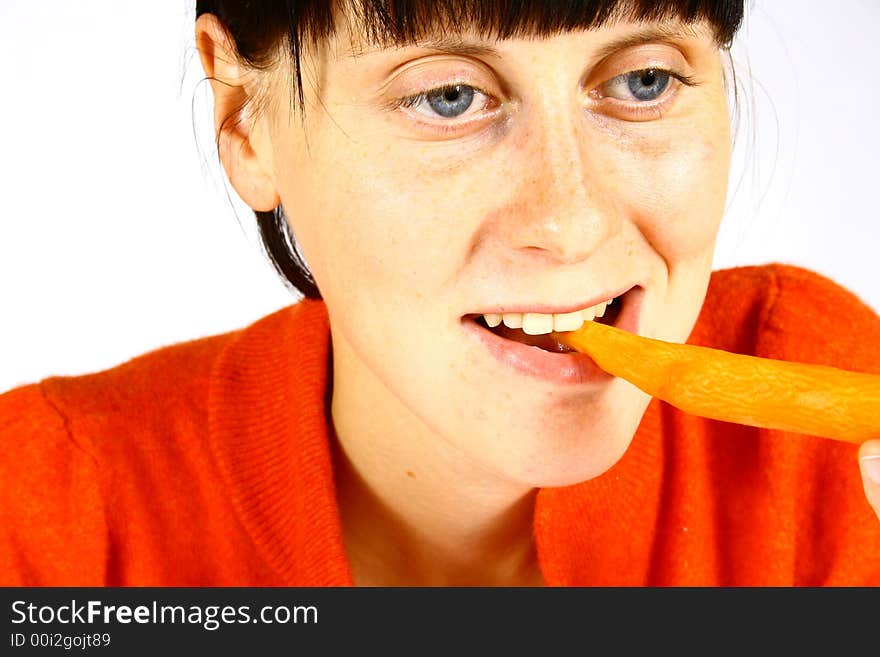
(387, 23)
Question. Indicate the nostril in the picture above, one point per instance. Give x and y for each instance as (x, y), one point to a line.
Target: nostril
(562, 255)
(566, 241)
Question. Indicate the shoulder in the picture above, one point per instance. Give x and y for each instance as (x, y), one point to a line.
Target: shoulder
(790, 313)
(124, 402)
(60, 440)
(49, 501)
(156, 390)
(78, 451)
(165, 392)
(42, 424)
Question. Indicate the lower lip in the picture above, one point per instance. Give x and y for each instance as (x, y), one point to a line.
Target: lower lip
(565, 368)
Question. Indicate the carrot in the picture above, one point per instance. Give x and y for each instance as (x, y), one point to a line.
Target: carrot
(759, 392)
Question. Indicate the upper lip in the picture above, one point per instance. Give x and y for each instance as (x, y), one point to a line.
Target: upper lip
(547, 309)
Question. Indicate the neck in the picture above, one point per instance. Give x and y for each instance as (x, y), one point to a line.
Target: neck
(415, 510)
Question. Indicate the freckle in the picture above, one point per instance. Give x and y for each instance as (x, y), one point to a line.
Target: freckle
(409, 473)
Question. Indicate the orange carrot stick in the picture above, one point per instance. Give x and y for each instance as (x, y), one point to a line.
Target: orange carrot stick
(759, 392)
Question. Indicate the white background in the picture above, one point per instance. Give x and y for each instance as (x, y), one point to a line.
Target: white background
(117, 236)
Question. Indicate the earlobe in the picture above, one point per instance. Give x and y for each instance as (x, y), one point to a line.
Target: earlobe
(244, 152)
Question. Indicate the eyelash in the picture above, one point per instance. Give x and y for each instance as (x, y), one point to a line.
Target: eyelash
(448, 126)
(415, 99)
(647, 109)
(686, 80)
(410, 101)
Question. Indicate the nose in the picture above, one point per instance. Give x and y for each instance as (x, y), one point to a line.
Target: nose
(564, 207)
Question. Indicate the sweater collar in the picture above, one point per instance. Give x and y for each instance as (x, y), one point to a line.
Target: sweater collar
(269, 434)
(268, 430)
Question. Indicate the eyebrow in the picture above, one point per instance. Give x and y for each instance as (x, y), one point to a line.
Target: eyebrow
(454, 45)
(645, 35)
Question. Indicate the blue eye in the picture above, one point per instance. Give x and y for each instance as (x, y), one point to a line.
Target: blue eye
(644, 86)
(647, 85)
(449, 102)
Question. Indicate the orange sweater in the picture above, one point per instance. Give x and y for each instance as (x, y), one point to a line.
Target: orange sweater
(208, 463)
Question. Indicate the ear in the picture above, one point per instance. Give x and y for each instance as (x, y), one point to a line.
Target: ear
(242, 143)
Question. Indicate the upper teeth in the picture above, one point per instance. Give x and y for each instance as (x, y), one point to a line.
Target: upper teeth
(539, 323)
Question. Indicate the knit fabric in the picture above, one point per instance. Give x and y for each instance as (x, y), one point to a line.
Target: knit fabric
(208, 463)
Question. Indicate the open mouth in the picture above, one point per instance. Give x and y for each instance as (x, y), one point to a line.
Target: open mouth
(536, 329)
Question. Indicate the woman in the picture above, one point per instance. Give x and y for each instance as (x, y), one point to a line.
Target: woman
(460, 180)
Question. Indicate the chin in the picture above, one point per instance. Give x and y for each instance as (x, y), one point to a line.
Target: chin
(569, 460)
(570, 473)
(564, 457)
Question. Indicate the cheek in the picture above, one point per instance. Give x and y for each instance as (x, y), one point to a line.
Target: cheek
(373, 226)
(682, 190)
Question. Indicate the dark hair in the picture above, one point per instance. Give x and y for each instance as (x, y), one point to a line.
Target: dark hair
(258, 28)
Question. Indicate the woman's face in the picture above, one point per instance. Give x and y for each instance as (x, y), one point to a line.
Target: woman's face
(551, 179)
